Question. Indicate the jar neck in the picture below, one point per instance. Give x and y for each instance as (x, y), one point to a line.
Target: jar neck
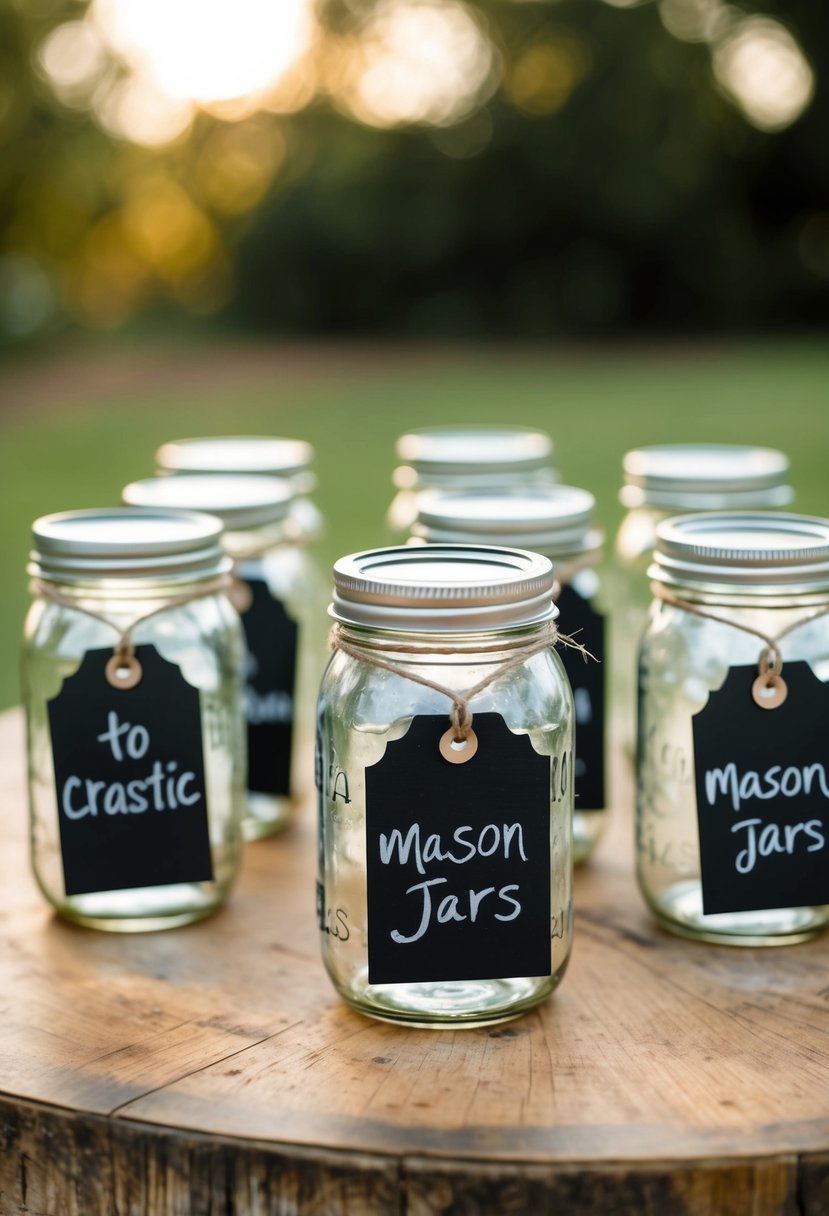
(411, 647)
(745, 599)
(121, 593)
(250, 543)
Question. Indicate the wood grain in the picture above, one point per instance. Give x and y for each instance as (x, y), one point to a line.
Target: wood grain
(213, 1068)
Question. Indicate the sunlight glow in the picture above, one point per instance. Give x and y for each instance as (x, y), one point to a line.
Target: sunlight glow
(426, 61)
(206, 50)
(761, 66)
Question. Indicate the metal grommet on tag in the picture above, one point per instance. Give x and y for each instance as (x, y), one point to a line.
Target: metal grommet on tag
(769, 691)
(240, 595)
(458, 751)
(123, 671)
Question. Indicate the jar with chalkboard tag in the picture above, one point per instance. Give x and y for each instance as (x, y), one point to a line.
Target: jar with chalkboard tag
(733, 763)
(557, 521)
(280, 594)
(262, 455)
(470, 458)
(444, 767)
(133, 695)
(675, 479)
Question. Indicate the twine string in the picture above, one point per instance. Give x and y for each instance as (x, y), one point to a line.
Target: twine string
(770, 665)
(124, 648)
(460, 714)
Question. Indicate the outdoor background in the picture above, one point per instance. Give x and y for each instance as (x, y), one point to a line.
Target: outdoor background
(342, 220)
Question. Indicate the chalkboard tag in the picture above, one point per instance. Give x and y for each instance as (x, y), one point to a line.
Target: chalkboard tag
(587, 681)
(458, 858)
(269, 695)
(762, 784)
(129, 778)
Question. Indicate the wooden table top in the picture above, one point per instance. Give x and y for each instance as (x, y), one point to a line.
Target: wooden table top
(214, 1069)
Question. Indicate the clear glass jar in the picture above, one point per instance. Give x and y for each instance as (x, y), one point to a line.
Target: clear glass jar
(121, 565)
(452, 615)
(756, 571)
(558, 522)
(281, 598)
(472, 458)
(666, 480)
(261, 455)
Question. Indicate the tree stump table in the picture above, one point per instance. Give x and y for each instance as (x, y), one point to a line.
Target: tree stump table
(213, 1069)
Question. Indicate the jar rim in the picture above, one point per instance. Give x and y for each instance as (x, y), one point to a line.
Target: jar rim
(240, 501)
(556, 521)
(439, 588)
(762, 553)
(474, 449)
(705, 476)
(127, 542)
(269, 455)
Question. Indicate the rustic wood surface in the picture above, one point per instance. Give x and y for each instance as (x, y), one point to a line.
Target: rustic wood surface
(213, 1069)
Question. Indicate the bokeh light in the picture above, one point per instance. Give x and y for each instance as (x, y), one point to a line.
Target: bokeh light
(762, 67)
(206, 50)
(417, 61)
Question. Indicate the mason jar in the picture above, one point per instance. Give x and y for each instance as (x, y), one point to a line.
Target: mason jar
(261, 455)
(471, 458)
(675, 479)
(280, 594)
(132, 691)
(732, 763)
(558, 522)
(444, 765)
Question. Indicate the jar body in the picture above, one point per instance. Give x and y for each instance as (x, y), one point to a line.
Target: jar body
(361, 710)
(580, 602)
(683, 660)
(204, 639)
(285, 629)
(633, 551)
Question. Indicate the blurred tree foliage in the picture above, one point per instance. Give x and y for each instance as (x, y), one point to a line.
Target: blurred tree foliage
(606, 182)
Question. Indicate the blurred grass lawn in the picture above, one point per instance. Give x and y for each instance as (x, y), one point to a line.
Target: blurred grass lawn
(64, 448)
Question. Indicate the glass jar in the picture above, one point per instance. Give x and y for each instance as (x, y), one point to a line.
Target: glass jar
(661, 481)
(752, 571)
(263, 455)
(557, 522)
(471, 458)
(423, 626)
(96, 574)
(282, 604)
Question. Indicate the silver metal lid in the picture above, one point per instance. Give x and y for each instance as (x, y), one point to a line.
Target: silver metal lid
(127, 542)
(758, 553)
(264, 454)
(706, 477)
(241, 502)
(553, 520)
(478, 451)
(443, 588)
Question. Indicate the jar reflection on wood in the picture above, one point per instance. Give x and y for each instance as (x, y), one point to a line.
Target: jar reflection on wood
(445, 883)
(132, 691)
(732, 780)
(556, 521)
(674, 479)
(470, 458)
(282, 608)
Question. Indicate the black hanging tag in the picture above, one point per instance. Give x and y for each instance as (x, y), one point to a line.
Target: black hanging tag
(587, 681)
(269, 696)
(762, 783)
(458, 858)
(129, 777)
